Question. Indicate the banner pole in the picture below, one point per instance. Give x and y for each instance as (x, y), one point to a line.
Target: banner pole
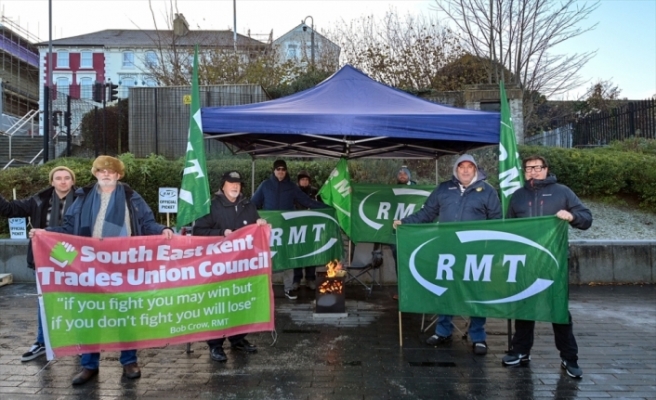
(400, 331)
(168, 219)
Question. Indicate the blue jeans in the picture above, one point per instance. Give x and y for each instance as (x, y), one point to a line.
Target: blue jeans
(39, 326)
(477, 334)
(92, 360)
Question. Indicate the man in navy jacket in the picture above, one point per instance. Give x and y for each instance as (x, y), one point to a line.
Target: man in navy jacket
(466, 197)
(280, 193)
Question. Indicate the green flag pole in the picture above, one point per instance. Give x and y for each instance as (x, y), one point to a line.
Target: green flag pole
(336, 192)
(194, 190)
(510, 166)
(511, 176)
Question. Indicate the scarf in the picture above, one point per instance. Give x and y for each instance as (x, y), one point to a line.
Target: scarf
(56, 217)
(114, 223)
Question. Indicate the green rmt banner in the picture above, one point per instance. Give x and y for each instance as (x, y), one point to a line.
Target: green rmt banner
(511, 269)
(375, 207)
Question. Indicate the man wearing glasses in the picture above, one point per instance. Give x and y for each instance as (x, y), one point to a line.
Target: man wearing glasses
(108, 208)
(280, 193)
(542, 195)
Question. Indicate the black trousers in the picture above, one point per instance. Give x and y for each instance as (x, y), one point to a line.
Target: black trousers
(522, 340)
(219, 342)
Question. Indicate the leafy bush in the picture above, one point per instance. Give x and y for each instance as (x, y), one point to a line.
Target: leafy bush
(606, 173)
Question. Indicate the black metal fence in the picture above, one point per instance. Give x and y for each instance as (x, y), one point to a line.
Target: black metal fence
(159, 116)
(636, 119)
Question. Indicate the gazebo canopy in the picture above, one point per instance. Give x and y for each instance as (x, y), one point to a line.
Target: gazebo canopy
(350, 115)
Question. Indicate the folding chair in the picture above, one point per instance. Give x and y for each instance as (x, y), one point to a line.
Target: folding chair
(366, 259)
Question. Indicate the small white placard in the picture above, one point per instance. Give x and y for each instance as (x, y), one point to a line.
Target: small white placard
(168, 200)
(18, 228)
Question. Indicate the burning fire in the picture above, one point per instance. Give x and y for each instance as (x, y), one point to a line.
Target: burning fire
(334, 268)
(333, 282)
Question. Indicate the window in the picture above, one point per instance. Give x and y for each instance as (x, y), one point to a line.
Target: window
(86, 88)
(128, 59)
(291, 51)
(62, 59)
(150, 82)
(86, 59)
(126, 83)
(151, 59)
(62, 84)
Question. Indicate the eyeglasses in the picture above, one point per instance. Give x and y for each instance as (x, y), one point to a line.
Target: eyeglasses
(281, 169)
(106, 171)
(536, 168)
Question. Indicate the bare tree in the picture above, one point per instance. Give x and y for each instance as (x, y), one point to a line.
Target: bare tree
(520, 36)
(219, 63)
(406, 52)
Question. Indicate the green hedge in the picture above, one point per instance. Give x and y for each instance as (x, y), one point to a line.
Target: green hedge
(619, 171)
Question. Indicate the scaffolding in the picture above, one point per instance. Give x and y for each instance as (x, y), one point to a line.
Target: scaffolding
(19, 69)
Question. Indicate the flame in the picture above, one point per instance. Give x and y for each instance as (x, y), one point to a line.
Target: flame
(331, 286)
(334, 268)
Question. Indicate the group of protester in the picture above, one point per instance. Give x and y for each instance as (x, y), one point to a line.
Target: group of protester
(110, 208)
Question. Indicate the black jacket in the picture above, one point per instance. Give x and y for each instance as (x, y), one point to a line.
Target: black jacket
(546, 197)
(225, 214)
(35, 208)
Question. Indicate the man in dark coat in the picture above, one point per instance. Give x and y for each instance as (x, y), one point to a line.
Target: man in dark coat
(46, 208)
(280, 193)
(109, 208)
(229, 211)
(466, 197)
(305, 184)
(542, 195)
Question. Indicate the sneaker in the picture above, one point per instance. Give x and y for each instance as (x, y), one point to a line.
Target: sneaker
(436, 340)
(296, 285)
(516, 359)
(312, 285)
(291, 294)
(36, 351)
(480, 348)
(217, 354)
(572, 368)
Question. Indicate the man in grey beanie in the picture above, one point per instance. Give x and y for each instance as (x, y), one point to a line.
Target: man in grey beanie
(466, 197)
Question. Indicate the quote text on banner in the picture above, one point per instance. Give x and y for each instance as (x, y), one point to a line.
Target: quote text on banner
(512, 269)
(149, 291)
(375, 207)
(303, 238)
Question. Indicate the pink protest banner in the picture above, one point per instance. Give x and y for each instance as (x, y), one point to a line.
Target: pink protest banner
(149, 291)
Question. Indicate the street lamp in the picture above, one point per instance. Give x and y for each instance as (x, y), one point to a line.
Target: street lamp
(311, 36)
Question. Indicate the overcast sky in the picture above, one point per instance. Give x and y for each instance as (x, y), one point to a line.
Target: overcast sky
(625, 38)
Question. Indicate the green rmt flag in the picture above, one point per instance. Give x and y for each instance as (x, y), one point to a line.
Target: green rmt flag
(194, 191)
(511, 176)
(336, 192)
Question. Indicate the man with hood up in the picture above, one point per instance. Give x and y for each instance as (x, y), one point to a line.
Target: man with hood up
(280, 193)
(229, 211)
(466, 197)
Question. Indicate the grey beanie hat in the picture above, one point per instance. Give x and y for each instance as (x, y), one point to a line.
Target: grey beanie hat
(406, 170)
(461, 159)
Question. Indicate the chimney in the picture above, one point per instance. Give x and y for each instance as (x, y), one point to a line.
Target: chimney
(180, 25)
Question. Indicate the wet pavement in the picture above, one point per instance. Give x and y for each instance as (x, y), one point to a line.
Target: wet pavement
(358, 357)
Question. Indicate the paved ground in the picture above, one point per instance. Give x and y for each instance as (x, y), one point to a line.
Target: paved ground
(359, 357)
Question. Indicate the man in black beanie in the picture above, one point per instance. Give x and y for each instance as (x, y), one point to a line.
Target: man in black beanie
(280, 193)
